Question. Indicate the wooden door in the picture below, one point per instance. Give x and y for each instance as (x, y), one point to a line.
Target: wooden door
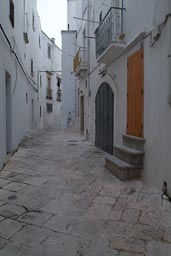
(104, 118)
(135, 94)
(82, 114)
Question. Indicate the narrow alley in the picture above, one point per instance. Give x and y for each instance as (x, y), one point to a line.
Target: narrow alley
(57, 199)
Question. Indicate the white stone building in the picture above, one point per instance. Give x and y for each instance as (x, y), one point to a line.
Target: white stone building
(122, 64)
(21, 60)
(68, 77)
(50, 93)
(69, 93)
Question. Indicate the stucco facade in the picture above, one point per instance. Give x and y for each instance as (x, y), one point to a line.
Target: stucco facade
(146, 25)
(22, 57)
(68, 77)
(50, 83)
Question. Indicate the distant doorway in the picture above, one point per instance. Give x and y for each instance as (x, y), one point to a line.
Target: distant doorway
(32, 114)
(104, 105)
(8, 113)
(82, 114)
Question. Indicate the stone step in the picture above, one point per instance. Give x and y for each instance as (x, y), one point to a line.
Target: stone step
(129, 155)
(121, 169)
(134, 142)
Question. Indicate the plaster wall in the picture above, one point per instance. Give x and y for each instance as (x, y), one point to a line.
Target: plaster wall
(52, 65)
(68, 77)
(24, 91)
(139, 17)
(22, 114)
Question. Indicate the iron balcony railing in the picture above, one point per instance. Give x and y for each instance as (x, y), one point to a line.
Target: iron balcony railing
(49, 94)
(80, 60)
(109, 29)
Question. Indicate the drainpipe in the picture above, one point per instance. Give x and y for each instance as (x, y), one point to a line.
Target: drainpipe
(169, 61)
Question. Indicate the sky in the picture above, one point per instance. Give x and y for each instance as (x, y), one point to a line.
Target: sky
(53, 15)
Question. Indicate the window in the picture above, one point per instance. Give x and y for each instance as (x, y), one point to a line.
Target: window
(49, 82)
(100, 17)
(49, 108)
(26, 98)
(40, 111)
(32, 72)
(39, 42)
(11, 13)
(49, 51)
(40, 81)
(49, 92)
(33, 21)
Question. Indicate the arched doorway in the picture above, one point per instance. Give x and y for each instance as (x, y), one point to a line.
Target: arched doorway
(104, 105)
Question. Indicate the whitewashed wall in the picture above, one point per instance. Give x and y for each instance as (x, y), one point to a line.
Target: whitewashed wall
(68, 77)
(22, 115)
(25, 106)
(71, 12)
(49, 120)
(140, 16)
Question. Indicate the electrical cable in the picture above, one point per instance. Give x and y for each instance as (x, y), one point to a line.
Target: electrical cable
(17, 59)
(15, 45)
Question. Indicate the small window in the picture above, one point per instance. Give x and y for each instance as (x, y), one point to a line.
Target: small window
(49, 108)
(58, 82)
(49, 51)
(40, 81)
(49, 82)
(11, 14)
(26, 98)
(33, 21)
(40, 111)
(32, 72)
(100, 17)
(39, 42)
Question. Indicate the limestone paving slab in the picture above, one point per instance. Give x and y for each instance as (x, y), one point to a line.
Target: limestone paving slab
(31, 236)
(34, 218)
(57, 198)
(18, 250)
(9, 227)
(3, 182)
(15, 186)
(11, 210)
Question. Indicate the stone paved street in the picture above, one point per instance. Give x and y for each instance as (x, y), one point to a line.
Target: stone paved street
(57, 199)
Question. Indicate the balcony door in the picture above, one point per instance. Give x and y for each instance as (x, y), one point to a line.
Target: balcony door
(135, 94)
(104, 105)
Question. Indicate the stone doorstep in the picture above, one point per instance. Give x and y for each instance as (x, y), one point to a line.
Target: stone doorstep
(129, 155)
(133, 142)
(121, 169)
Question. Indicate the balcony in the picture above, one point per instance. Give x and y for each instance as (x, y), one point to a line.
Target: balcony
(80, 63)
(110, 36)
(49, 94)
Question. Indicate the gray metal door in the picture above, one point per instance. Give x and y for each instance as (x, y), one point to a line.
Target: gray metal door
(104, 118)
